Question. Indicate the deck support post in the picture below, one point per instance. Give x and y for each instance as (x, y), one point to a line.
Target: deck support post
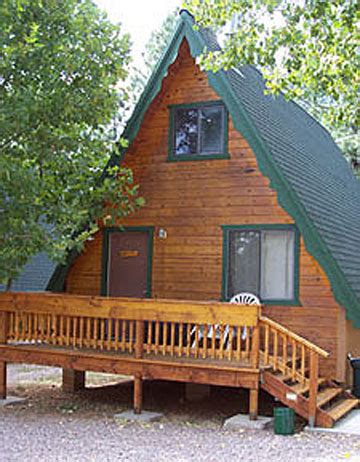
(138, 393)
(313, 387)
(4, 326)
(253, 403)
(2, 380)
(138, 383)
(73, 381)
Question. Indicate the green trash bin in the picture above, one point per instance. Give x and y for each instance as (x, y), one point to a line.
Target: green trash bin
(284, 421)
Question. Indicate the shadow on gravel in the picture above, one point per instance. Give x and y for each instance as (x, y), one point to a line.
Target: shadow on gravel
(160, 396)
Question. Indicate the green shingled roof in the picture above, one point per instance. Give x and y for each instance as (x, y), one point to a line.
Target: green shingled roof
(313, 181)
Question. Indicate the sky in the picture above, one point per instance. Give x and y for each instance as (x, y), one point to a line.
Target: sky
(139, 18)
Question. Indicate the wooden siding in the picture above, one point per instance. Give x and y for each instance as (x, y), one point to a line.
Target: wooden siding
(191, 200)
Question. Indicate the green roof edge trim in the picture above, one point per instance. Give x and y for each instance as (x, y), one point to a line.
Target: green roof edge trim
(287, 197)
(154, 85)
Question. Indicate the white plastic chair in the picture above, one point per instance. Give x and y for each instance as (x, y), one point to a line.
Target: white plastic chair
(243, 298)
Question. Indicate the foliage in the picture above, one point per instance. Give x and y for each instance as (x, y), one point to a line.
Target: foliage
(153, 50)
(305, 48)
(60, 61)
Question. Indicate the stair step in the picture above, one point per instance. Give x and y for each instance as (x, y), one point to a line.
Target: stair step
(301, 388)
(326, 395)
(283, 377)
(342, 408)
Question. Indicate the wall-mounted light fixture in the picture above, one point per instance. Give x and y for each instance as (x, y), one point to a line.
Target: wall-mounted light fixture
(162, 233)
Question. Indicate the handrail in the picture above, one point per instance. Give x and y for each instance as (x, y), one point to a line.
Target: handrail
(294, 336)
(137, 309)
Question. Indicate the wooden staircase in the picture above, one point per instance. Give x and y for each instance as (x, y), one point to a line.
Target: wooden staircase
(290, 366)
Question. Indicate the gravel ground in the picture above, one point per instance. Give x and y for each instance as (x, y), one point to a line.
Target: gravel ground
(55, 426)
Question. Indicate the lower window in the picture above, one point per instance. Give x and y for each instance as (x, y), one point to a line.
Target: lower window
(262, 261)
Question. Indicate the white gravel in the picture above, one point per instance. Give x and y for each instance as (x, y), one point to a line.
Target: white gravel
(54, 426)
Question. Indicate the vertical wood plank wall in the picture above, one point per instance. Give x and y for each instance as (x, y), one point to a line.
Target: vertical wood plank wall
(191, 200)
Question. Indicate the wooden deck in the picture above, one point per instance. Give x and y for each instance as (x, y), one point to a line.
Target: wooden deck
(201, 342)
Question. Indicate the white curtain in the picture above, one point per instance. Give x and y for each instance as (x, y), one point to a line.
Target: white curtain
(277, 265)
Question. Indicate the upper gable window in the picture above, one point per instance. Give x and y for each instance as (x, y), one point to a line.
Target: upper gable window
(198, 131)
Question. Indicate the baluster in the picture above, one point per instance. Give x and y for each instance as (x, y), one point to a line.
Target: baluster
(81, 332)
(293, 361)
(117, 333)
(88, 332)
(96, 332)
(205, 341)
(266, 353)
(139, 342)
(230, 342)
(188, 339)
(172, 339)
(275, 352)
(302, 367)
(157, 337)
(109, 334)
(196, 340)
(11, 326)
(102, 333)
(165, 332)
(181, 333)
(149, 339)
(131, 336)
(36, 326)
(221, 344)
(16, 329)
(284, 352)
(25, 326)
(68, 319)
(213, 341)
(29, 326)
(53, 329)
(255, 347)
(123, 335)
(238, 343)
(75, 325)
(247, 341)
(61, 333)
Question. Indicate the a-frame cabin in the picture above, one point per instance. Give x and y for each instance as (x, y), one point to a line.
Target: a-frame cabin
(245, 192)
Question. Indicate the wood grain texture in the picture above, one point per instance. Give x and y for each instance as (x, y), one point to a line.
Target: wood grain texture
(119, 364)
(191, 200)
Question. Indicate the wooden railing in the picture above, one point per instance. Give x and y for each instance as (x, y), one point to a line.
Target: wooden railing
(295, 357)
(167, 328)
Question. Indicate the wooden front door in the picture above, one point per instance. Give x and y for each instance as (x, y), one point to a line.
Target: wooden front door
(129, 263)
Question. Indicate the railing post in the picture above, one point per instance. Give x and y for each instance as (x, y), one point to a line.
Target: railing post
(139, 342)
(138, 382)
(313, 387)
(4, 326)
(255, 347)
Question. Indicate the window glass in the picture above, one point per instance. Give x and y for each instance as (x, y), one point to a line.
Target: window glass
(186, 131)
(199, 131)
(244, 248)
(277, 265)
(211, 134)
(261, 262)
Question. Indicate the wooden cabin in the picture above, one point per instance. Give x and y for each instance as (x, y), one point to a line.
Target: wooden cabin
(245, 192)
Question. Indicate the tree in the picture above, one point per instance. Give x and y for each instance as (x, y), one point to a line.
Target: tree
(153, 50)
(60, 64)
(307, 49)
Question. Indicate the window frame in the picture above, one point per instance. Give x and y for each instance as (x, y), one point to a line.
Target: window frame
(294, 301)
(173, 157)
